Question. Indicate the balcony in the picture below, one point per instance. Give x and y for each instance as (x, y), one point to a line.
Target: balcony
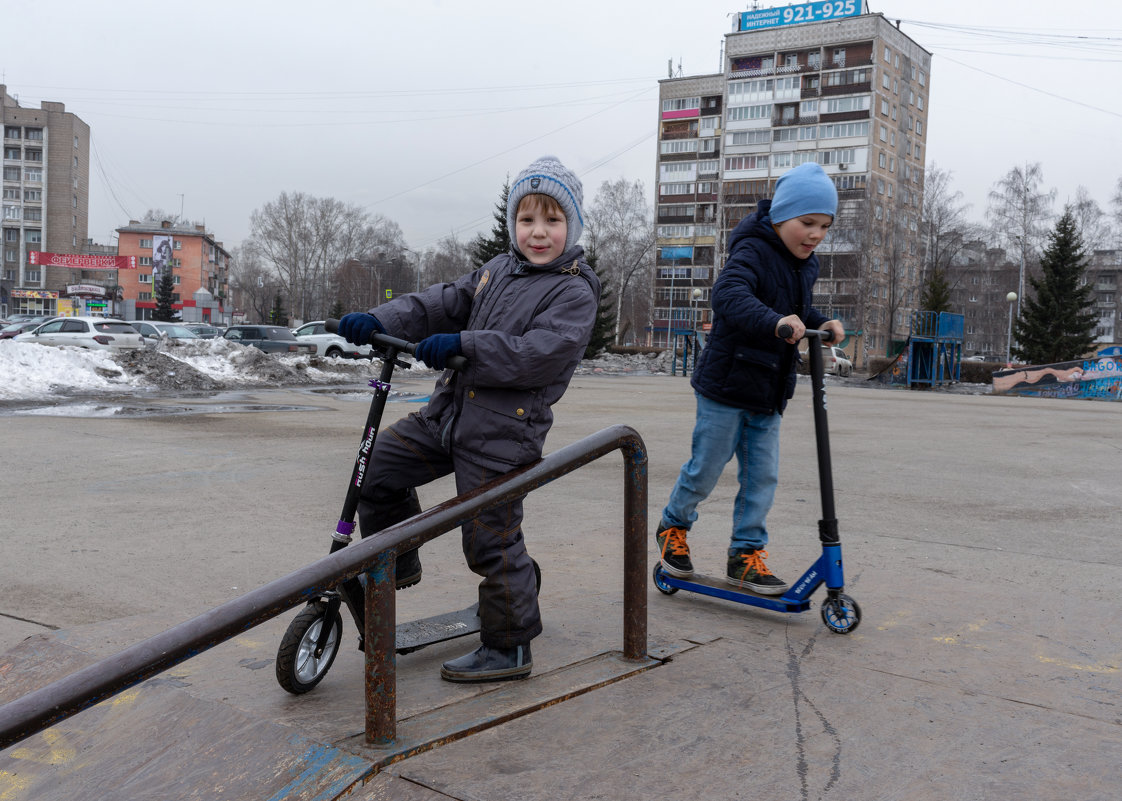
(847, 89)
(795, 119)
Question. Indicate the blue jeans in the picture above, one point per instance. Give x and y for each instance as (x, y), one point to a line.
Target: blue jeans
(719, 432)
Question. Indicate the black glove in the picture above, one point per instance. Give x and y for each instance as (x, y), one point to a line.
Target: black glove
(435, 351)
(357, 327)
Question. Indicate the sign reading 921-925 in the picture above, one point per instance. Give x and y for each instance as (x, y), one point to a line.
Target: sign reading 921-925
(793, 15)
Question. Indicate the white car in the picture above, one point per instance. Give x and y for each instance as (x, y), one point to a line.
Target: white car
(97, 333)
(328, 344)
(155, 331)
(835, 361)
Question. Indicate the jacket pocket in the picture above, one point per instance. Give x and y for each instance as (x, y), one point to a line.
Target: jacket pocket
(499, 424)
(752, 377)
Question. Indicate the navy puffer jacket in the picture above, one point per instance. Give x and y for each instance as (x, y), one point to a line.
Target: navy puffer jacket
(744, 364)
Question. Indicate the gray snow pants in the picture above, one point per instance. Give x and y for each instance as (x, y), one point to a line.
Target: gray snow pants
(406, 456)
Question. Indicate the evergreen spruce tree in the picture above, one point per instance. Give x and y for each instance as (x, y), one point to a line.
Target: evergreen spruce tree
(278, 315)
(603, 330)
(337, 311)
(936, 296)
(485, 249)
(165, 292)
(1056, 324)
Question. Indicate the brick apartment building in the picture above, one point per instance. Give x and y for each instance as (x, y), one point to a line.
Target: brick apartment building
(848, 91)
(199, 264)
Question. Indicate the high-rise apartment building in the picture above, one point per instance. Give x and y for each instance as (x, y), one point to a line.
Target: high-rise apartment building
(816, 82)
(45, 201)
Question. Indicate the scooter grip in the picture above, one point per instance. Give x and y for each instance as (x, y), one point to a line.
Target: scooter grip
(823, 334)
(386, 341)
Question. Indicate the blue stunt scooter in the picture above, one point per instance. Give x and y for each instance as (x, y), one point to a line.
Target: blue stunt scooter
(840, 613)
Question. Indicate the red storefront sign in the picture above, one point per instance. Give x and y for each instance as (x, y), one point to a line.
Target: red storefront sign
(82, 262)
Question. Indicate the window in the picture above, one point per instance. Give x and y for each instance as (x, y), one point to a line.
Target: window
(74, 203)
(884, 107)
(12, 153)
(837, 105)
(883, 134)
(11, 235)
(11, 212)
(144, 261)
(746, 162)
(33, 236)
(75, 141)
(145, 243)
(839, 130)
(674, 231)
(814, 60)
(32, 213)
(34, 174)
(708, 166)
(919, 127)
(681, 104)
(791, 60)
(11, 193)
(11, 173)
(756, 137)
(884, 81)
(671, 146)
(33, 195)
(839, 56)
(919, 102)
(33, 154)
(709, 125)
(11, 132)
(34, 134)
(675, 189)
(33, 275)
(746, 92)
(887, 55)
(144, 278)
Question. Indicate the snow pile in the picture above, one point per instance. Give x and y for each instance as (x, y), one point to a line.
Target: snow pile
(31, 372)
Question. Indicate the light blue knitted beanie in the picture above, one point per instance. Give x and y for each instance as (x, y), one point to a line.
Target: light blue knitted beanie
(806, 189)
(548, 176)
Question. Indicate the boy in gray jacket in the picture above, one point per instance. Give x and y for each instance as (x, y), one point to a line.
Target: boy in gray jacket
(522, 320)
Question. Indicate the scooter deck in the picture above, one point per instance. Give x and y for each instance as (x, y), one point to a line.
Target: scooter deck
(427, 631)
(718, 587)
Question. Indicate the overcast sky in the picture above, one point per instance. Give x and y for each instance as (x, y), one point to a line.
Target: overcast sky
(419, 110)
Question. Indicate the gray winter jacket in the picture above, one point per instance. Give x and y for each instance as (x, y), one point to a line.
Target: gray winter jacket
(523, 329)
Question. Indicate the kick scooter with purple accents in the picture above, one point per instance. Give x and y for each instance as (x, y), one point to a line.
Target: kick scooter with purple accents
(840, 613)
(309, 646)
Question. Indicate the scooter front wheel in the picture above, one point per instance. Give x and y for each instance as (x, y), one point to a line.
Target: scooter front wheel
(840, 613)
(299, 668)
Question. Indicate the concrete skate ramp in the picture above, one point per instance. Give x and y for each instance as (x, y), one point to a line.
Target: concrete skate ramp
(155, 741)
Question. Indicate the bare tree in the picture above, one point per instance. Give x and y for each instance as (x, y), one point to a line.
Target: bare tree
(307, 240)
(252, 284)
(447, 261)
(1116, 213)
(621, 231)
(1087, 215)
(1019, 213)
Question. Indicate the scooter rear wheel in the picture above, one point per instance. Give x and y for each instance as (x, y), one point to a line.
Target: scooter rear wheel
(299, 670)
(840, 613)
(660, 580)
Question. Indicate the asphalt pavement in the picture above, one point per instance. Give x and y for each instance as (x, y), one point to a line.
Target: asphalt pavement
(977, 533)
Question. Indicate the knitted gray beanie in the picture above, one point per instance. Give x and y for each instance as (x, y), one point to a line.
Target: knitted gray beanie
(548, 176)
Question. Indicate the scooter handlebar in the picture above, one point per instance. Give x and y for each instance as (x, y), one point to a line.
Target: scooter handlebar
(386, 341)
(823, 334)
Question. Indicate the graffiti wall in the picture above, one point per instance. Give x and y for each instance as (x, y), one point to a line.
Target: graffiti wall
(1098, 378)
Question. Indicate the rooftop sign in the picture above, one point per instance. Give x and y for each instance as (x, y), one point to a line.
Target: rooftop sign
(794, 15)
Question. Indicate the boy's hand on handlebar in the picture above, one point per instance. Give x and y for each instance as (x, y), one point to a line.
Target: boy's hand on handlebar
(797, 329)
(357, 327)
(436, 350)
(836, 328)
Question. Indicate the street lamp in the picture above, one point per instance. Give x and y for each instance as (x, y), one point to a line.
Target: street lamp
(1011, 298)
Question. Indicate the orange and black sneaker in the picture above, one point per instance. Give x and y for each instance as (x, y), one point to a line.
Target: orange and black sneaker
(674, 552)
(747, 569)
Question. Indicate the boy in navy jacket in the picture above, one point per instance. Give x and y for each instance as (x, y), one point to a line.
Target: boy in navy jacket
(746, 372)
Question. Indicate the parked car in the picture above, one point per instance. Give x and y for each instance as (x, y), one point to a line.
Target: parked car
(269, 338)
(11, 330)
(205, 330)
(97, 333)
(328, 344)
(154, 331)
(29, 318)
(835, 361)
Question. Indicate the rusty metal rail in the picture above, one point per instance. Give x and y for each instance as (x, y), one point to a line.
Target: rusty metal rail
(42, 708)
